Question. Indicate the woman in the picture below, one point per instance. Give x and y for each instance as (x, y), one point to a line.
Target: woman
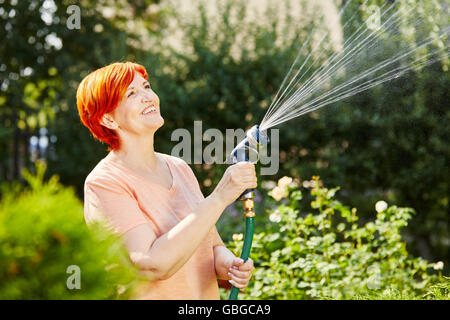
(151, 199)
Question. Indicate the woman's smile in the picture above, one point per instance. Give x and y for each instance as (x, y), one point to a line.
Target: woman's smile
(150, 109)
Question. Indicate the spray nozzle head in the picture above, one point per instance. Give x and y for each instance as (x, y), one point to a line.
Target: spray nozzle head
(257, 137)
(247, 149)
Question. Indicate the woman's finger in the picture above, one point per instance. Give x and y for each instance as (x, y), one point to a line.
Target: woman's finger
(239, 274)
(242, 282)
(248, 180)
(237, 284)
(247, 266)
(235, 263)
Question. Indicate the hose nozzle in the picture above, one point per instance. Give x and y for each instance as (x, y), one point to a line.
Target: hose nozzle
(248, 149)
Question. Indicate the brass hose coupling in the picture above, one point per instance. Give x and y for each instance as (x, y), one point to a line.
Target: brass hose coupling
(248, 204)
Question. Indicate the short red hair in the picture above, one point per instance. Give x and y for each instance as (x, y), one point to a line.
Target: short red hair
(100, 92)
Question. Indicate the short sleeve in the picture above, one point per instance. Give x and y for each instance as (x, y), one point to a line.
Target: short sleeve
(108, 202)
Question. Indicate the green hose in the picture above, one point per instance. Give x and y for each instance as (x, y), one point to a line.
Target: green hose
(248, 238)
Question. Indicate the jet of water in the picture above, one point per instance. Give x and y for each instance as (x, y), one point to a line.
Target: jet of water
(364, 62)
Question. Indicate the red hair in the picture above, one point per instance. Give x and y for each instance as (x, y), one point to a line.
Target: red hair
(100, 92)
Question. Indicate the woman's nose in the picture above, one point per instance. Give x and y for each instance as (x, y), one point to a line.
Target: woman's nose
(147, 96)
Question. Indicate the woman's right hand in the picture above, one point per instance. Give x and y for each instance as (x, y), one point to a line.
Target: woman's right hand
(236, 179)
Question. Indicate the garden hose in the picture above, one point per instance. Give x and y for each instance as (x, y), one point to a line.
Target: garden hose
(249, 215)
(247, 150)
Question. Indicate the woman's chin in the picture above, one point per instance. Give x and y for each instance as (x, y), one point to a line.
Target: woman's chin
(161, 121)
(157, 123)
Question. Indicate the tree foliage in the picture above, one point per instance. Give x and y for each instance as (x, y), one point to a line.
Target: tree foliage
(43, 60)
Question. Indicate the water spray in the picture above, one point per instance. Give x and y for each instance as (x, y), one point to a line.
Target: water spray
(248, 150)
(317, 80)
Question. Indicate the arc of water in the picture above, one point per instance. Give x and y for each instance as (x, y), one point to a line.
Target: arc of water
(322, 72)
(277, 100)
(286, 112)
(343, 61)
(384, 78)
(295, 113)
(415, 65)
(307, 90)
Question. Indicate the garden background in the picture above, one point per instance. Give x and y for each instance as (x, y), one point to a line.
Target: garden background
(222, 62)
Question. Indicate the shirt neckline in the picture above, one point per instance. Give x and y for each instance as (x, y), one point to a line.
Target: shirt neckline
(131, 172)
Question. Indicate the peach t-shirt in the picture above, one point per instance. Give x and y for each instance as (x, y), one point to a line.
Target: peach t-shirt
(116, 195)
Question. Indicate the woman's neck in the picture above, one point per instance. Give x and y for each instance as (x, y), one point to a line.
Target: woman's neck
(137, 153)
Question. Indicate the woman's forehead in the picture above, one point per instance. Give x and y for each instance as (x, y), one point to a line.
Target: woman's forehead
(137, 80)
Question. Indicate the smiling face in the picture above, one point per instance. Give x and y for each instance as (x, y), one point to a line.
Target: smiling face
(138, 111)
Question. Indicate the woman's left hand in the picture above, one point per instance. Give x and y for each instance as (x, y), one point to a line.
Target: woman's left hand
(240, 272)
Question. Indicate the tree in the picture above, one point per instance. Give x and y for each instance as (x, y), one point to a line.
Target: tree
(44, 57)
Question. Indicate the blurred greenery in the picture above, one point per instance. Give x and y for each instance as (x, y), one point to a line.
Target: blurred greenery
(42, 63)
(43, 233)
(328, 254)
(388, 143)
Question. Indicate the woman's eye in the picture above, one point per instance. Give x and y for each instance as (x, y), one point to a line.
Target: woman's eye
(130, 94)
(147, 86)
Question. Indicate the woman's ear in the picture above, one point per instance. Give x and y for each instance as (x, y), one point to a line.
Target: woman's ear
(108, 121)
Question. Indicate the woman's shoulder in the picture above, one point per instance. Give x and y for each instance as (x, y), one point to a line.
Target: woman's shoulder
(103, 173)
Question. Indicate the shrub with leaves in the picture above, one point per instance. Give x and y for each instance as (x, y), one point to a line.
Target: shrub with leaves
(327, 254)
(438, 291)
(43, 233)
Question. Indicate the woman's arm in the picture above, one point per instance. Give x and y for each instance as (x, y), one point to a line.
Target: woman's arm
(162, 257)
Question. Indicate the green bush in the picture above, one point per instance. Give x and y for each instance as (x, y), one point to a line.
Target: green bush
(42, 233)
(439, 291)
(327, 254)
